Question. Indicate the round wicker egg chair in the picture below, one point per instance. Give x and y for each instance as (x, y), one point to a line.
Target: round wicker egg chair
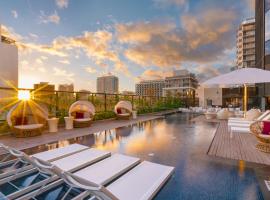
(123, 110)
(83, 113)
(263, 140)
(27, 119)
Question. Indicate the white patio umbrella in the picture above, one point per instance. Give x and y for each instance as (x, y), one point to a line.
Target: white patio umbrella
(240, 77)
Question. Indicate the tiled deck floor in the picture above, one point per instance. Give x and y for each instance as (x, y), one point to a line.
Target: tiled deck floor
(240, 147)
(62, 134)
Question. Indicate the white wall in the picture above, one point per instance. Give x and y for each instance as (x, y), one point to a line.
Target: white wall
(214, 94)
(8, 64)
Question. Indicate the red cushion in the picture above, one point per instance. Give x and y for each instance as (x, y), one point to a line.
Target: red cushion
(79, 115)
(119, 111)
(266, 128)
(20, 121)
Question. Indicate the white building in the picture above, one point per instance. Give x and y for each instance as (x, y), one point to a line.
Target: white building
(150, 88)
(209, 96)
(246, 44)
(182, 84)
(8, 62)
(108, 84)
(66, 87)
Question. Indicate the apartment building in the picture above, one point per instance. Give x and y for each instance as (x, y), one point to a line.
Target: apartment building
(182, 84)
(150, 88)
(108, 84)
(246, 44)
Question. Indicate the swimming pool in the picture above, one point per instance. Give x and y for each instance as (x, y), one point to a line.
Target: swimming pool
(177, 142)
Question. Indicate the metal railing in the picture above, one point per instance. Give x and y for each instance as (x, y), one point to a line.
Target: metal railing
(58, 102)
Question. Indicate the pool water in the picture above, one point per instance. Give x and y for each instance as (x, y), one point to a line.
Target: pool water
(177, 142)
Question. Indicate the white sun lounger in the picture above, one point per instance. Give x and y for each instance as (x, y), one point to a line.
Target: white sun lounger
(100, 173)
(246, 124)
(49, 155)
(108, 169)
(70, 163)
(143, 182)
(236, 129)
(263, 115)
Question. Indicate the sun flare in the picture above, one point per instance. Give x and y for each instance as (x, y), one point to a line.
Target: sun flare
(24, 95)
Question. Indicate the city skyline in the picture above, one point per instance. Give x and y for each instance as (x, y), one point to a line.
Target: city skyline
(62, 41)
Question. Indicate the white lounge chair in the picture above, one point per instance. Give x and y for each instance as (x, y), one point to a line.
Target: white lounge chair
(247, 123)
(100, 173)
(10, 167)
(82, 158)
(237, 129)
(142, 182)
(251, 115)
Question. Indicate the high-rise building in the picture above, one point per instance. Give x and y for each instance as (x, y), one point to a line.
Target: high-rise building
(262, 16)
(108, 84)
(44, 86)
(150, 88)
(66, 87)
(8, 62)
(182, 84)
(246, 44)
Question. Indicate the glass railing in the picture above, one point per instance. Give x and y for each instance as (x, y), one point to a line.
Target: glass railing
(58, 102)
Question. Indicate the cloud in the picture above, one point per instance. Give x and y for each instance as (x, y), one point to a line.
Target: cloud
(96, 45)
(63, 74)
(206, 72)
(39, 61)
(61, 3)
(9, 32)
(14, 14)
(202, 38)
(34, 36)
(162, 3)
(142, 31)
(66, 62)
(151, 74)
(28, 48)
(90, 70)
(53, 18)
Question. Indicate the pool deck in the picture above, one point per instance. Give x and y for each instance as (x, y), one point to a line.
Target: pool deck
(62, 134)
(240, 147)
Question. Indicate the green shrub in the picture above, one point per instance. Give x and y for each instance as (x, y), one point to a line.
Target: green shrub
(4, 127)
(104, 115)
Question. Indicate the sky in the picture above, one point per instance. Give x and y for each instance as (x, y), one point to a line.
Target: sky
(75, 41)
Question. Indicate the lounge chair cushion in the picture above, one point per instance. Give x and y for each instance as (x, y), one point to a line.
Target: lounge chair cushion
(142, 182)
(108, 169)
(29, 126)
(83, 120)
(124, 114)
(21, 120)
(81, 159)
(60, 152)
(266, 128)
(119, 110)
(79, 115)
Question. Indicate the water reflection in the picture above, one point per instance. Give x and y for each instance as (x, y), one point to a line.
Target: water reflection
(183, 144)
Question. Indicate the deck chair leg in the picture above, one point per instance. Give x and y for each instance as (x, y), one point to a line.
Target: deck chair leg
(66, 193)
(40, 190)
(5, 158)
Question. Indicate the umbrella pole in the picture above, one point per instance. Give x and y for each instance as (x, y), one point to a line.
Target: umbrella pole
(245, 99)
